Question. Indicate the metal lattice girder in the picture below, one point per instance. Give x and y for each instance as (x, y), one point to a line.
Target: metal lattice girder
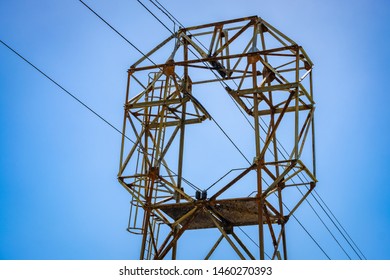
(269, 77)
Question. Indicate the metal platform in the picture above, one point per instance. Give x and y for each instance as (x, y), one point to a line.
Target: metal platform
(233, 212)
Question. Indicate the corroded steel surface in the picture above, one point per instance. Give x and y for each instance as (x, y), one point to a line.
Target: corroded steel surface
(232, 212)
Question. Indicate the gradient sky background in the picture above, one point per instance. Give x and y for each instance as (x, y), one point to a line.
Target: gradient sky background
(59, 197)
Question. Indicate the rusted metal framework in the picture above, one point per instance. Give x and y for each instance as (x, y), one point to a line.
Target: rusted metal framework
(269, 77)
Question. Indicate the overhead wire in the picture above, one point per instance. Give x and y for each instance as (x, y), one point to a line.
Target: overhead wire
(345, 235)
(327, 228)
(123, 37)
(161, 8)
(193, 186)
(163, 24)
(308, 233)
(85, 105)
(221, 81)
(284, 154)
(65, 90)
(251, 239)
(168, 14)
(311, 206)
(350, 238)
(116, 31)
(342, 234)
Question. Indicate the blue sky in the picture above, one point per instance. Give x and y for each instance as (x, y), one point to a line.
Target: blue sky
(59, 197)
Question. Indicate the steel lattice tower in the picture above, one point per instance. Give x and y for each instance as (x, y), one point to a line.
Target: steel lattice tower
(269, 77)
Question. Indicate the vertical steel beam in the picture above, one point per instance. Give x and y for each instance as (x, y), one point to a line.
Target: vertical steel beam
(181, 145)
(124, 122)
(296, 103)
(313, 142)
(259, 161)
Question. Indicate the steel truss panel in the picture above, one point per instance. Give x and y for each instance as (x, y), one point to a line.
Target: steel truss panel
(269, 77)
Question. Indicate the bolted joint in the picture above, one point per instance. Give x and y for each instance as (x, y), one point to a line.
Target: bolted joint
(169, 68)
(154, 172)
(253, 58)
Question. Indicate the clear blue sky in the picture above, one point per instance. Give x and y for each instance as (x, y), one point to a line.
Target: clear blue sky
(59, 197)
